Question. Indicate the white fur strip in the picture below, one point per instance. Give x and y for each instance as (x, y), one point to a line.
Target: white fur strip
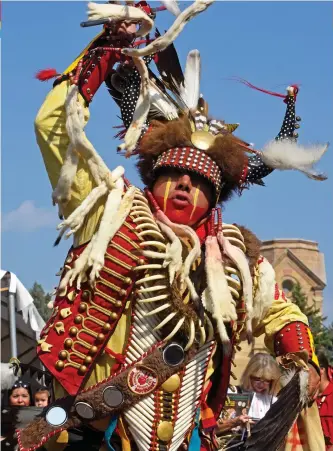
(237, 256)
(285, 154)
(75, 129)
(78, 272)
(174, 258)
(190, 92)
(141, 110)
(76, 219)
(171, 6)
(115, 213)
(98, 11)
(62, 192)
(264, 296)
(217, 295)
(176, 28)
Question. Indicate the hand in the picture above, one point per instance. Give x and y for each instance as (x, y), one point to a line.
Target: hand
(242, 420)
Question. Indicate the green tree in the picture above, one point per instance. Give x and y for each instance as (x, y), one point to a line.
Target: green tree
(41, 300)
(322, 335)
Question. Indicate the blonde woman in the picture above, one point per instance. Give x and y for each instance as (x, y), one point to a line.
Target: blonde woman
(261, 377)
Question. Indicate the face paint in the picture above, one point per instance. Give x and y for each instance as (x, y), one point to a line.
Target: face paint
(189, 215)
(183, 197)
(166, 194)
(195, 200)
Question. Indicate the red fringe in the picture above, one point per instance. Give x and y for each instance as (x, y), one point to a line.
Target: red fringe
(46, 74)
(121, 134)
(143, 41)
(250, 85)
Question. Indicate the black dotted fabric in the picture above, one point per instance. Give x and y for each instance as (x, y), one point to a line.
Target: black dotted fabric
(257, 169)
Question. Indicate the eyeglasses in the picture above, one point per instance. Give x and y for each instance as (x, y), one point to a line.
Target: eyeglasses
(258, 379)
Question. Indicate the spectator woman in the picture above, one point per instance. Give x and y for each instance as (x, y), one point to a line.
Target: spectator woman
(20, 394)
(261, 379)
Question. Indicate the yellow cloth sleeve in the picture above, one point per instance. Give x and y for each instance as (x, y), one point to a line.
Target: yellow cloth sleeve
(52, 138)
(280, 314)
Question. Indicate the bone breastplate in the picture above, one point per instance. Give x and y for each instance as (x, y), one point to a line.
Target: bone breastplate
(166, 417)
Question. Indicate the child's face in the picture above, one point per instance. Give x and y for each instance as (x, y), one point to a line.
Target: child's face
(41, 399)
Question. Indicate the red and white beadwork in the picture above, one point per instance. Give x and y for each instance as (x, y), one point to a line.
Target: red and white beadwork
(192, 160)
(142, 380)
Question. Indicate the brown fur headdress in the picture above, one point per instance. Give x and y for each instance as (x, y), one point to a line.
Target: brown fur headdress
(225, 151)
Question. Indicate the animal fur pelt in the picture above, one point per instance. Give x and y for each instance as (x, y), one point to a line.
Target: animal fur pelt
(285, 154)
(269, 433)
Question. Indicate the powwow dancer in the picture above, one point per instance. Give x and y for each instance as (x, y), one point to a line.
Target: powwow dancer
(157, 292)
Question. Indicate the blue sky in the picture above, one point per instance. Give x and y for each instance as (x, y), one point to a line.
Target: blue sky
(271, 44)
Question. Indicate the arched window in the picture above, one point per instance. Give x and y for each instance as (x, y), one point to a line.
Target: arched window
(287, 286)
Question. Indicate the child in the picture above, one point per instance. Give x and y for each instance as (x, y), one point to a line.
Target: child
(42, 397)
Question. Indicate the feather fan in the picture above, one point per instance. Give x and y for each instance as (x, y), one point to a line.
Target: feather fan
(270, 432)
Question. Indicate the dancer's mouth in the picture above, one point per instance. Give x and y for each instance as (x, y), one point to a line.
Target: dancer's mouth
(181, 199)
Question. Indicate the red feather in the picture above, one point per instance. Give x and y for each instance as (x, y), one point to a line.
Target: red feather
(46, 74)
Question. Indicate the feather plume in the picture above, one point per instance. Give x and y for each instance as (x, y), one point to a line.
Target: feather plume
(190, 91)
(168, 65)
(286, 154)
(171, 6)
(160, 105)
(46, 74)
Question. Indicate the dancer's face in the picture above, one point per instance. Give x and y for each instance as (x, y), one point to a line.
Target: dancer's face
(184, 197)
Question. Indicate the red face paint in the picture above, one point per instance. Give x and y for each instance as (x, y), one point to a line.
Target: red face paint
(181, 212)
(184, 197)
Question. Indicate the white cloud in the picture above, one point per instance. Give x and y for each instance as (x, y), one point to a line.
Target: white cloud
(27, 217)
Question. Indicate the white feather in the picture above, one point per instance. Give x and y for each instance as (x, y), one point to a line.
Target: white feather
(159, 102)
(285, 154)
(171, 6)
(191, 90)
